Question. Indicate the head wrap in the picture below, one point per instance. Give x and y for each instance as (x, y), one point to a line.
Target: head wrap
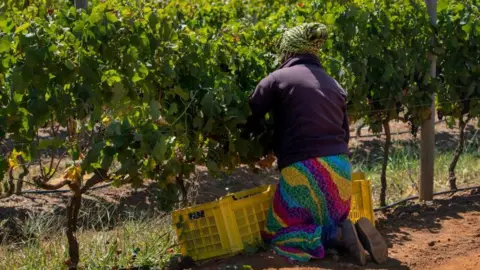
(305, 38)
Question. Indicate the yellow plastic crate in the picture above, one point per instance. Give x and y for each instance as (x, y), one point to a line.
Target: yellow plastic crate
(225, 226)
(361, 205)
(201, 231)
(228, 225)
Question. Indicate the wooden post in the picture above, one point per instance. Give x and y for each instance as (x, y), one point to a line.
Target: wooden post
(427, 147)
(81, 4)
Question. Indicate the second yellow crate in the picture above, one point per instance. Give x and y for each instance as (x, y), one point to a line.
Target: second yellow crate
(361, 205)
(228, 225)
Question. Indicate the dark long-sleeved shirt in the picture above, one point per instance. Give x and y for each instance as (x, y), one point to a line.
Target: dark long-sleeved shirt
(309, 111)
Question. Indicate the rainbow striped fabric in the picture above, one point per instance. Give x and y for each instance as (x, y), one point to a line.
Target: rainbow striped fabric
(311, 200)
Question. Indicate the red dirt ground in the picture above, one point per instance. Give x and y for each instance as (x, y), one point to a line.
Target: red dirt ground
(444, 236)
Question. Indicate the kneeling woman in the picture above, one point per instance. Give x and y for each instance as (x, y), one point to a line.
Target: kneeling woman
(312, 200)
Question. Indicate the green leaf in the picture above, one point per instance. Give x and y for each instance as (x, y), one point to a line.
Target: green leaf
(25, 124)
(141, 73)
(159, 150)
(181, 93)
(471, 89)
(95, 17)
(207, 103)
(4, 44)
(136, 78)
(69, 64)
(329, 19)
(22, 27)
(228, 98)
(155, 109)
(442, 5)
(17, 97)
(153, 21)
(467, 28)
(143, 70)
(92, 157)
(107, 157)
(111, 17)
(197, 122)
(74, 153)
(173, 109)
(50, 143)
(6, 61)
(147, 10)
(133, 53)
(118, 92)
(111, 77)
(209, 126)
(113, 129)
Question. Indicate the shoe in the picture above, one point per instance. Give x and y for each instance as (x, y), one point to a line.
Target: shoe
(352, 243)
(372, 240)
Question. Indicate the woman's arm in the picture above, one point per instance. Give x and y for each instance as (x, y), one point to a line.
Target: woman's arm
(346, 127)
(261, 102)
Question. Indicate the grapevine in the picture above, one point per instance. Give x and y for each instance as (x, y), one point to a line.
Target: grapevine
(459, 96)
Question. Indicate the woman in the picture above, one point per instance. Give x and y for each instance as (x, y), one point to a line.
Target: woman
(312, 200)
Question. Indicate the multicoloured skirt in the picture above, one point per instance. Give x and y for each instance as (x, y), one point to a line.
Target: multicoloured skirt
(311, 200)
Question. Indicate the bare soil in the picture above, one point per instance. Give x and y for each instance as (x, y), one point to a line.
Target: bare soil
(445, 235)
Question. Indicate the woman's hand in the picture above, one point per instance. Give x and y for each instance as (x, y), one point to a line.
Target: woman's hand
(267, 162)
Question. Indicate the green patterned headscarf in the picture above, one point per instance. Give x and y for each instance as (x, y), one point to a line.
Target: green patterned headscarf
(305, 38)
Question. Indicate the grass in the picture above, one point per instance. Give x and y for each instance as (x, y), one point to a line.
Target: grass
(151, 240)
(403, 171)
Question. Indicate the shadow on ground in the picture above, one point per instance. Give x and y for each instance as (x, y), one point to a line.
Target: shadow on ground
(423, 217)
(271, 261)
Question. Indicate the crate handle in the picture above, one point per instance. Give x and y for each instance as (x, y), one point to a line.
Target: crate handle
(246, 196)
(196, 215)
(235, 198)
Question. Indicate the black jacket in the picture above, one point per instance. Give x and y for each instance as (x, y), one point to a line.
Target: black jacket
(309, 111)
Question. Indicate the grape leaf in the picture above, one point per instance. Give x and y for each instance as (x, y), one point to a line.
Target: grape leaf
(159, 150)
(4, 44)
(111, 17)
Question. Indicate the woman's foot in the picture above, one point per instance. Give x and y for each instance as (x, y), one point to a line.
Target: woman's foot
(372, 241)
(352, 243)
